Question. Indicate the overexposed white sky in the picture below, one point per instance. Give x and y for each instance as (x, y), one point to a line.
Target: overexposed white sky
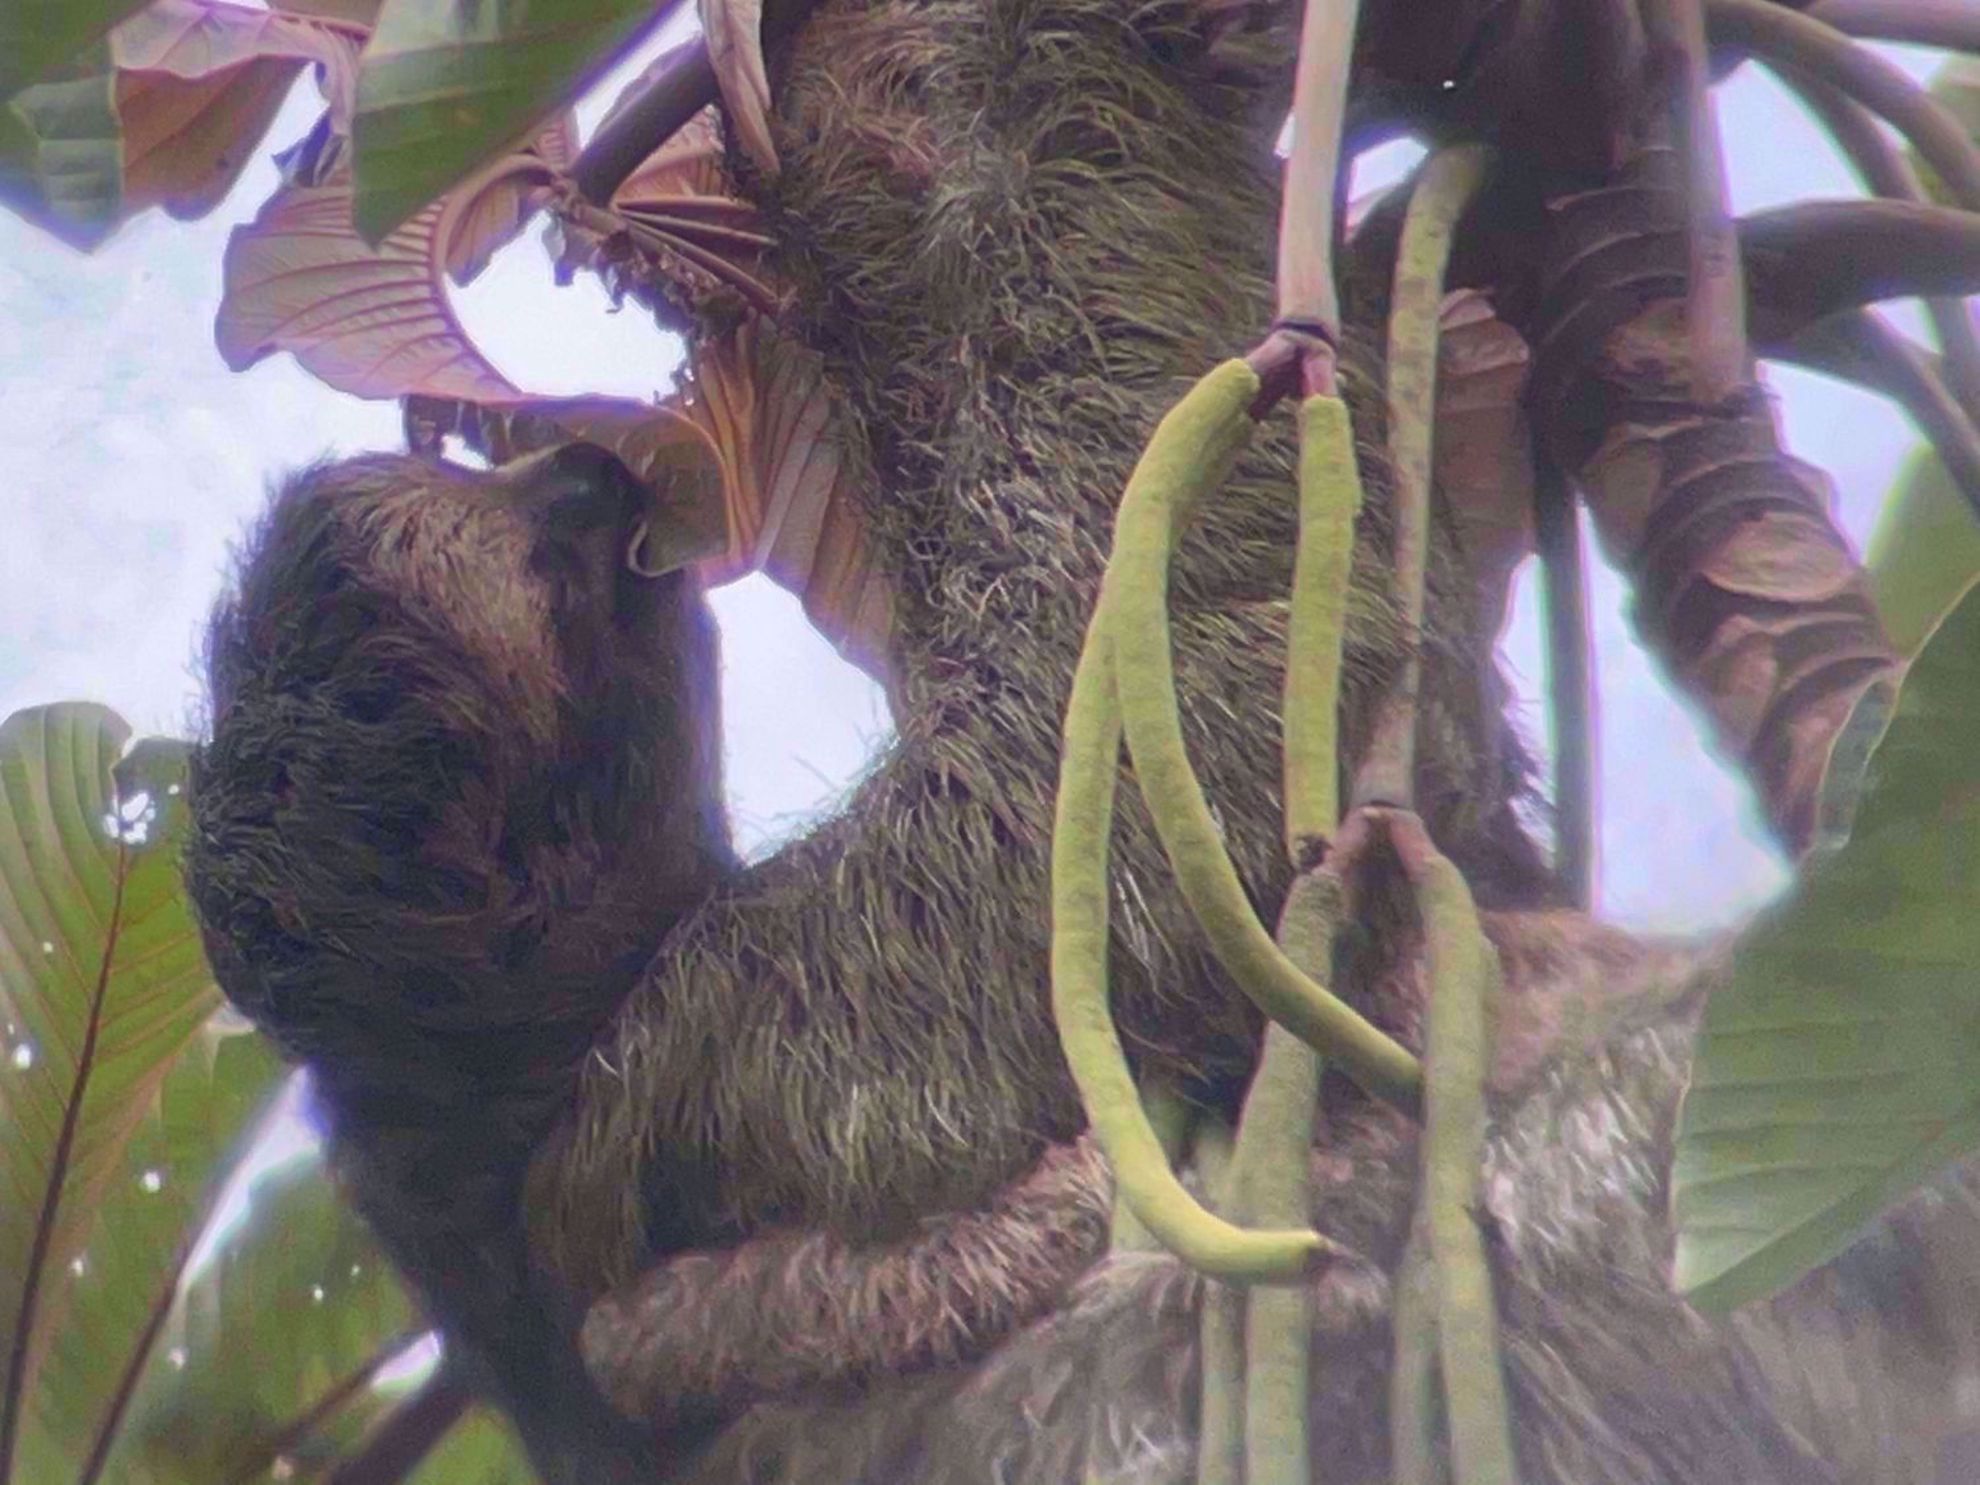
(136, 457)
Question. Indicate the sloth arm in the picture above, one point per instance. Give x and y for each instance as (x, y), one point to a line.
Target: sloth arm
(857, 1031)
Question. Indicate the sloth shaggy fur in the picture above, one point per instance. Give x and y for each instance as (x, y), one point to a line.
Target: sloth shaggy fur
(798, 1137)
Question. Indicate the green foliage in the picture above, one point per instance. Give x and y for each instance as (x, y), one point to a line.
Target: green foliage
(1956, 85)
(38, 35)
(102, 991)
(445, 88)
(298, 1303)
(1836, 1070)
(61, 150)
(481, 1450)
(1925, 552)
(137, 1246)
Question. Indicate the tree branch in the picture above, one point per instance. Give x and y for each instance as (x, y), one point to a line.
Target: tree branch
(409, 1434)
(676, 95)
(1953, 24)
(1715, 306)
(1308, 299)
(1816, 258)
(1888, 173)
(1780, 35)
(1859, 346)
(1570, 693)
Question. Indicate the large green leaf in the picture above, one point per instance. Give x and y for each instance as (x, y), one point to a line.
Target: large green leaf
(1956, 85)
(1841, 1064)
(61, 153)
(446, 85)
(481, 1450)
(36, 36)
(296, 1308)
(102, 990)
(1925, 552)
(143, 1232)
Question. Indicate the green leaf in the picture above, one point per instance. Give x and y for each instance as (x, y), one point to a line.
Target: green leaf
(102, 990)
(483, 1449)
(36, 36)
(299, 1306)
(1841, 1064)
(61, 154)
(446, 85)
(1956, 85)
(145, 1228)
(1925, 552)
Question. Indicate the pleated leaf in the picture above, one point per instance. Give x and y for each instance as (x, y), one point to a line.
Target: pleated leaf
(1840, 1067)
(36, 36)
(483, 1449)
(103, 989)
(1925, 552)
(61, 153)
(791, 487)
(446, 85)
(279, 1341)
(110, 1342)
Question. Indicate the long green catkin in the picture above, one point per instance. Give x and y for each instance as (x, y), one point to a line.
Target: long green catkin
(1464, 975)
(1329, 501)
(1203, 431)
(1144, 1181)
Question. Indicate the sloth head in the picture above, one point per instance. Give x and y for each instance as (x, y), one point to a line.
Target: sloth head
(463, 761)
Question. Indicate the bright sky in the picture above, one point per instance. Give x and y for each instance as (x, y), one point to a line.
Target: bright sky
(137, 458)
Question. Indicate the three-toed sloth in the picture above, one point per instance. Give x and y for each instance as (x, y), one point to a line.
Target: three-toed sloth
(798, 1136)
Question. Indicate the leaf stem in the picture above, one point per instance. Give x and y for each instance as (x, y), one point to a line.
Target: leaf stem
(1777, 34)
(1307, 296)
(1449, 181)
(1715, 306)
(1570, 690)
(1889, 174)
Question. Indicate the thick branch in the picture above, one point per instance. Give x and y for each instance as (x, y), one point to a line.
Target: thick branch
(1715, 304)
(679, 93)
(1782, 35)
(1860, 347)
(1809, 261)
(1888, 173)
(1953, 24)
(676, 94)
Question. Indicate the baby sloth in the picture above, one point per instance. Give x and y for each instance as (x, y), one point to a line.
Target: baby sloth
(463, 774)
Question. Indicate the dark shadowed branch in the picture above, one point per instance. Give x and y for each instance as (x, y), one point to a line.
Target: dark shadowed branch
(1953, 24)
(1809, 261)
(1886, 171)
(1860, 347)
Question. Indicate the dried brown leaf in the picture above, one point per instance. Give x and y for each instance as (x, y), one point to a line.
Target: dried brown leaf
(187, 141)
(494, 207)
(197, 86)
(793, 509)
(678, 209)
(189, 40)
(374, 322)
(734, 31)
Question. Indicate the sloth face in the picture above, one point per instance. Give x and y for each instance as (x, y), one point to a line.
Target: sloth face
(464, 740)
